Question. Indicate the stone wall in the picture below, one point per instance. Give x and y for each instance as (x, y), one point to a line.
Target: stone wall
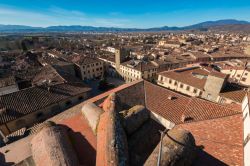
(129, 96)
(52, 146)
(112, 148)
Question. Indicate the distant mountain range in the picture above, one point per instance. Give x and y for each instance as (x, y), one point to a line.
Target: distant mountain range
(220, 25)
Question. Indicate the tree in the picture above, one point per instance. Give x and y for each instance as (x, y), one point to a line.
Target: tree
(103, 84)
(23, 45)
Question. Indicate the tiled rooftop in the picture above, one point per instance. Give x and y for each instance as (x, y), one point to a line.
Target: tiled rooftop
(25, 101)
(83, 140)
(187, 76)
(195, 109)
(141, 66)
(215, 127)
(236, 95)
(54, 75)
(221, 140)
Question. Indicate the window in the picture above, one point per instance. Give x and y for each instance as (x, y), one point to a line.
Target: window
(188, 88)
(245, 116)
(55, 109)
(181, 85)
(39, 115)
(244, 79)
(96, 64)
(238, 75)
(246, 74)
(68, 103)
(161, 78)
(246, 140)
(170, 81)
(195, 90)
(200, 93)
(175, 83)
(80, 97)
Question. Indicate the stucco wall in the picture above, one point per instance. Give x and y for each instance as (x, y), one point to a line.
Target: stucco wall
(8, 89)
(178, 88)
(213, 87)
(246, 121)
(164, 122)
(42, 114)
(241, 75)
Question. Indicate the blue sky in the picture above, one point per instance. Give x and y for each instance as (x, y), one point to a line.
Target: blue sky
(120, 13)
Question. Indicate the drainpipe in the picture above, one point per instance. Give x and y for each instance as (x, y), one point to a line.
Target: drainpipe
(5, 139)
(160, 149)
(242, 73)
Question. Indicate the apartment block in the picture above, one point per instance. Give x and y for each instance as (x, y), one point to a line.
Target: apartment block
(89, 68)
(194, 81)
(138, 69)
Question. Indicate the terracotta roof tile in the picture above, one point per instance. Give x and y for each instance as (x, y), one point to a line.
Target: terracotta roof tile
(195, 76)
(157, 100)
(141, 66)
(187, 76)
(83, 139)
(235, 95)
(23, 102)
(221, 139)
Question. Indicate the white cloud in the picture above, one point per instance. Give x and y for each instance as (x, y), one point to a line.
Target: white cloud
(60, 12)
(22, 17)
(55, 16)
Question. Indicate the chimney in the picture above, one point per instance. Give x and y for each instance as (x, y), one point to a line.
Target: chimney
(170, 97)
(183, 118)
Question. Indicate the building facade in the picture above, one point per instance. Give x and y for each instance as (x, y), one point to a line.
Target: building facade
(136, 70)
(194, 81)
(246, 122)
(171, 44)
(89, 68)
(239, 75)
(24, 108)
(8, 85)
